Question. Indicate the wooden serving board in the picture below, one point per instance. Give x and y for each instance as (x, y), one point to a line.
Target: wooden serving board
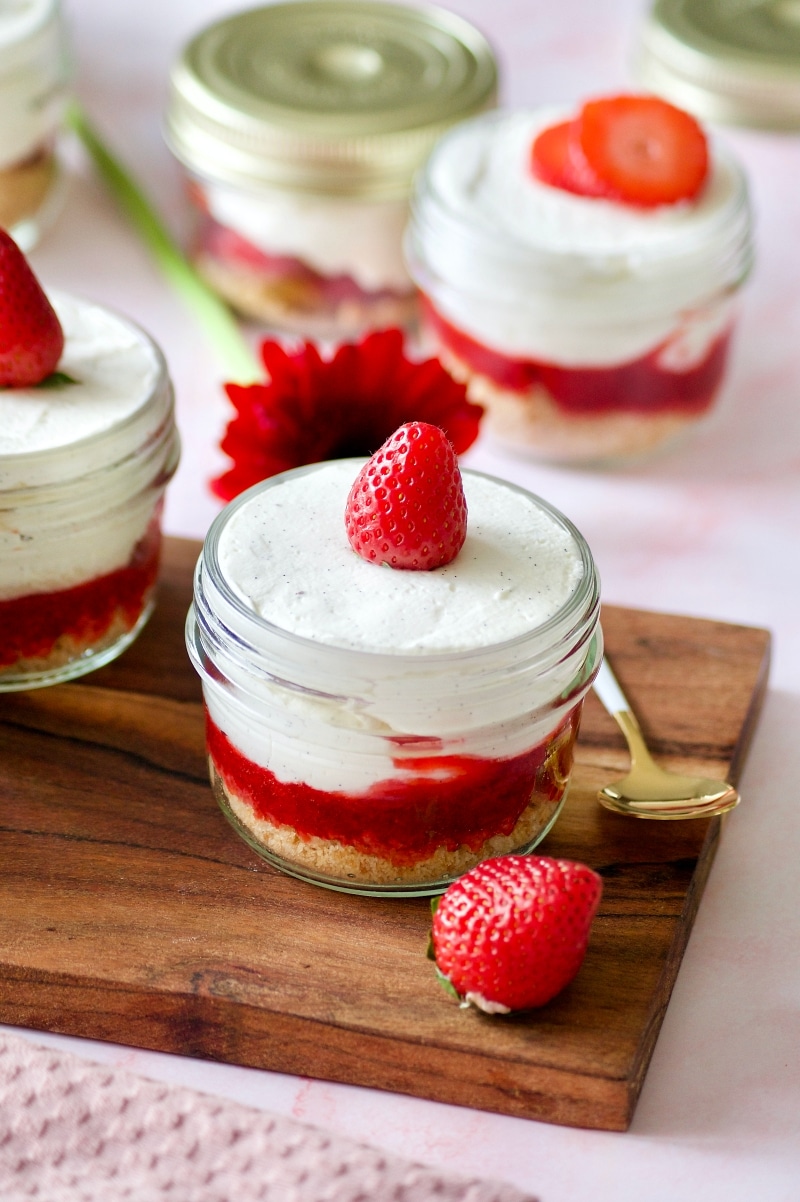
(130, 911)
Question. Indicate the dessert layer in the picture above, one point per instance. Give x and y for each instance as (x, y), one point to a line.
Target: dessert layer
(44, 631)
(116, 369)
(285, 554)
(537, 272)
(334, 236)
(330, 858)
(83, 464)
(682, 377)
(423, 804)
(532, 420)
(286, 292)
(24, 187)
(37, 558)
(494, 183)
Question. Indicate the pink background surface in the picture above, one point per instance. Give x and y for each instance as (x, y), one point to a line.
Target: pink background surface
(709, 530)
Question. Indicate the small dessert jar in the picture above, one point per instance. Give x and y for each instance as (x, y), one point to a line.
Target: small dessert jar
(382, 731)
(300, 127)
(34, 78)
(593, 331)
(83, 468)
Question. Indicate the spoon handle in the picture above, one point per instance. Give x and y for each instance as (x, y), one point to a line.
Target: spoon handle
(610, 693)
(608, 690)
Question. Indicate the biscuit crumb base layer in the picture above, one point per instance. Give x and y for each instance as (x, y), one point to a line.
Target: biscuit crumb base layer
(294, 304)
(330, 858)
(24, 188)
(72, 657)
(532, 421)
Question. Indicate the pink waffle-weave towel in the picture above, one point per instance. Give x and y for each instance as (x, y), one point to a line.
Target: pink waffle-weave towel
(72, 1131)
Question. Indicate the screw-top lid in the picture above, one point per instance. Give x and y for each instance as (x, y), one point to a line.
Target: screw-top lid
(337, 96)
(734, 61)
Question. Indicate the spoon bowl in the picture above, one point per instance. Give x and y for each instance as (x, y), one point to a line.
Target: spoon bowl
(649, 791)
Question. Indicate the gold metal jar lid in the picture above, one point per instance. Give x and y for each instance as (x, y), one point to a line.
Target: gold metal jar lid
(344, 97)
(733, 61)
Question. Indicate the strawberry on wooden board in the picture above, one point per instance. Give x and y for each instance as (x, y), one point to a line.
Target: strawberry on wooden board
(31, 338)
(407, 508)
(513, 931)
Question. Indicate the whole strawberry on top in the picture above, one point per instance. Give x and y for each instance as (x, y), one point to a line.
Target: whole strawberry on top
(407, 507)
(513, 932)
(31, 338)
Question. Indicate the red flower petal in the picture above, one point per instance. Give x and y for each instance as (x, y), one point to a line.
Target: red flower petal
(310, 408)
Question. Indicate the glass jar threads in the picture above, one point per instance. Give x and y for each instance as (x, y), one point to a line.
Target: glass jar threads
(300, 127)
(593, 330)
(34, 77)
(83, 468)
(380, 731)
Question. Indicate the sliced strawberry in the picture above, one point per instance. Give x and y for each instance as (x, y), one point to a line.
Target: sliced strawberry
(31, 338)
(407, 508)
(557, 159)
(646, 151)
(513, 932)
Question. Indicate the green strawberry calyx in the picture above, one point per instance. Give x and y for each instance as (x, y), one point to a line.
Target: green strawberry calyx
(56, 379)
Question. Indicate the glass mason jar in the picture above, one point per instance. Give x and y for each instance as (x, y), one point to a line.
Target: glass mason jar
(34, 75)
(592, 331)
(83, 468)
(300, 127)
(372, 771)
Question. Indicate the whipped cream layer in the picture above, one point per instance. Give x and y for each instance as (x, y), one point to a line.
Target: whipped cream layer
(334, 236)
(286, 555)
(537, 272)
(78, 461)
(353, 670)
(48, 435)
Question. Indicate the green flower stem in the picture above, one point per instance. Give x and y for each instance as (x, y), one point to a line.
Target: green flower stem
(222, 329)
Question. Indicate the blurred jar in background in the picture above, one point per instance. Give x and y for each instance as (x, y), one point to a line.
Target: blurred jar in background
(736, 63)
(300, 127)
(34, 77)
(593, 330)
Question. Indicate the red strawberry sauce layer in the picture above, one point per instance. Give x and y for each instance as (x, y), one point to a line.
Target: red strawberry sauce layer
(231, 250)
(640, 386)
(406, 820)
(31, 626)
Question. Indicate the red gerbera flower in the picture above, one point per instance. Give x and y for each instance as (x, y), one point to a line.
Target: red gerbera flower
(312, 408)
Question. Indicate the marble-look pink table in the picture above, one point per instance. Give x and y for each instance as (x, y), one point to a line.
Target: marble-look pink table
(709, 530)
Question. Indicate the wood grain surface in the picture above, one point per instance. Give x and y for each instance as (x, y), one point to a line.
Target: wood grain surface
(130, 911)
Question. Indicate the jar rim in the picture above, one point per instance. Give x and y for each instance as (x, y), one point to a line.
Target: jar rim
(584, 599)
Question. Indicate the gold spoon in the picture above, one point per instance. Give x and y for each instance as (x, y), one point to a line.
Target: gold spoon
(649, 791)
